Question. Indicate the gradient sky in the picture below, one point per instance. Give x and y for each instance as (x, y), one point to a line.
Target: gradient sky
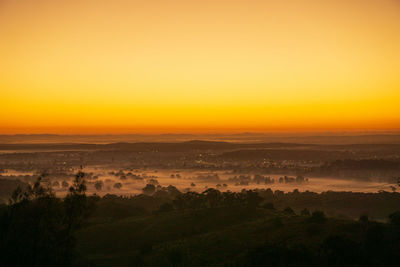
(77, 66)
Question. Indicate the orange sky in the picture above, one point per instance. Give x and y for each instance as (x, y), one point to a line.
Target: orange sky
(80, 66)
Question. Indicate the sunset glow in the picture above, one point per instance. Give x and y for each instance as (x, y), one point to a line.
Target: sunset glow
(194, 66)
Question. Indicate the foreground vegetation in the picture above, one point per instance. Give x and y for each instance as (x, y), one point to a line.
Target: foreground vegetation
(38, 229)
(164, 227)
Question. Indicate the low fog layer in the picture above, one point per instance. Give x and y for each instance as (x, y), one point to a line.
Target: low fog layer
(129, 182)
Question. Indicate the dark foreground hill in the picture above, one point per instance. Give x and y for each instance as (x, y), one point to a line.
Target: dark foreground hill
(239, 236)
(242, 229)
(165, 227)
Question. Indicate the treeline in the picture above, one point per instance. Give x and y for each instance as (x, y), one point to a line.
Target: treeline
(348, 205)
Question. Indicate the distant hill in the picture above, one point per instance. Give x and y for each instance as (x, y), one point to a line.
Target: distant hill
(310, 138)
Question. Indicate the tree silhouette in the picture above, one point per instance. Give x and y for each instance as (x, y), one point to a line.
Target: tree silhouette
(117, 185)
(149, 189)
(99, 185)
(37, 228)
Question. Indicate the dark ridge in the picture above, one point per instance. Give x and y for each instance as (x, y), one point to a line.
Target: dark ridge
(202, 145)
(282, 154)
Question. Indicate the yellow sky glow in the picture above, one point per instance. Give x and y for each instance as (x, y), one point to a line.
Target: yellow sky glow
(122, 66)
